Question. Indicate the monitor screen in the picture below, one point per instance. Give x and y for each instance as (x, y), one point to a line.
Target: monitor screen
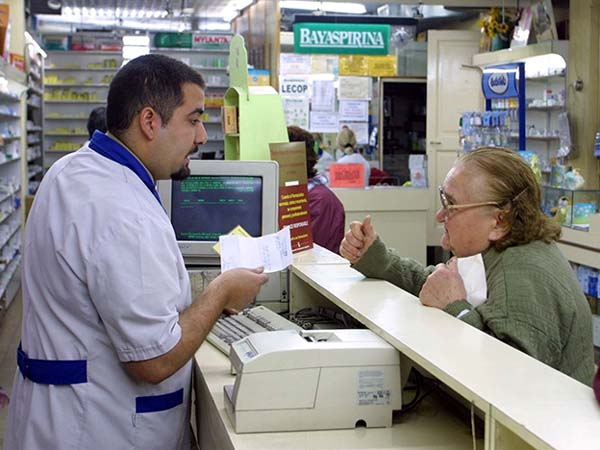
(218, 196)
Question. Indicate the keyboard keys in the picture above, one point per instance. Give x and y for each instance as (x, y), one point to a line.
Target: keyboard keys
(229, 329)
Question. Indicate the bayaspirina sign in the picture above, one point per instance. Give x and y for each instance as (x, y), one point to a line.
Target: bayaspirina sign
(345, 38)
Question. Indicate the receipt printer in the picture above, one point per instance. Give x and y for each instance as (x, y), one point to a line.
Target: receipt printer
(313, 380)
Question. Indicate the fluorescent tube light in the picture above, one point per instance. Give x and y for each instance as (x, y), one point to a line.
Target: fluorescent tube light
(230, 14)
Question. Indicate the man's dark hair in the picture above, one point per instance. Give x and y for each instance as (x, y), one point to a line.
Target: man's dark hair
(97, 120)
(149, 80)
(297, 134)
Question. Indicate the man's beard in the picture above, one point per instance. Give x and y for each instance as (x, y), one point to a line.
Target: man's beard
(181, 174)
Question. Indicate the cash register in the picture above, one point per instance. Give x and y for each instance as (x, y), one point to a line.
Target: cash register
(310, 380)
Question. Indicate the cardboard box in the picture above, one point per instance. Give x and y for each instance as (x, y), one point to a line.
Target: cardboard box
(258, 77)
(4, 16)
(17, 61)
(229, 119)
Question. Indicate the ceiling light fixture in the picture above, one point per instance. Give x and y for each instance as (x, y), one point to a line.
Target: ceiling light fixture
(337, 7)
(234, 8)
(230, 14)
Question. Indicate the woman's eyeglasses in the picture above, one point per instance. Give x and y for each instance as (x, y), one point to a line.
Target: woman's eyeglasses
(447, 207)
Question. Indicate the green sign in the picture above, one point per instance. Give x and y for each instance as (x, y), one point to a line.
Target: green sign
(341, 38)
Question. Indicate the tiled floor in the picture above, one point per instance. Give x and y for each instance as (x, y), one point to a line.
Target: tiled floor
(10, 333)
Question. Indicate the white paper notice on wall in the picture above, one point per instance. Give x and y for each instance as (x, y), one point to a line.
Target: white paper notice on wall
(354, 110)
(294, 63)
(294, 86)
(296, 111)
(324, 122)
(323, 95)
(355, 88)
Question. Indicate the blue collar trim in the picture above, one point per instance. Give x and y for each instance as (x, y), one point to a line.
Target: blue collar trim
(111, 149)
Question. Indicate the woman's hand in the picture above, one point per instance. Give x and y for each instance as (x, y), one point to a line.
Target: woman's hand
(357, 240)
(443, 286)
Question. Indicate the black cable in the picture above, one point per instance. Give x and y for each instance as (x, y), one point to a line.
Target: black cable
(420, 381)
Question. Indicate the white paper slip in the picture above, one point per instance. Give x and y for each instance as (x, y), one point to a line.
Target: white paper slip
(273, 251)
(472, 271)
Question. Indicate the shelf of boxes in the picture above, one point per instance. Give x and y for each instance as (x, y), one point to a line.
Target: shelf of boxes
(34, 61)
(75, 83)
(13, 140)
(212, 64)
(545, 91)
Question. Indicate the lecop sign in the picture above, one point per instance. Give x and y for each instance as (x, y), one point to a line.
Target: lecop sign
(341, 38)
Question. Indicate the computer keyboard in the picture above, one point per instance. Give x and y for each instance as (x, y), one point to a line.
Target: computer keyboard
(232, 328)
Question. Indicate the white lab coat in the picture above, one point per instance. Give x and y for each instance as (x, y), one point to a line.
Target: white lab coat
(103, 280)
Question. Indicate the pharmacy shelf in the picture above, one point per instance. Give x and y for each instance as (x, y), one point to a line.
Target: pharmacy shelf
(545, 79)
(66, 118)
(4, 266)
(9, 282)
(8, 216)
(209, 68)
(80, 69)
(11, 233)
(35, 90)
(85, 52)
(35, 174)
(9, 161)
(77, 85)
(61, 151)
(187, 50)
(6, 97)
(7, 195)
(99, 102)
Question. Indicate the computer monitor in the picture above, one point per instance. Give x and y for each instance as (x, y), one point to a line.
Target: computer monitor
(218, 196)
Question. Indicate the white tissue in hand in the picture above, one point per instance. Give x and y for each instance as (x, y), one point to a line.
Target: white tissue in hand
(472, 271)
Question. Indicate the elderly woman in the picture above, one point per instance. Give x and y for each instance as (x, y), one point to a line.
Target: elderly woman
(490, 205)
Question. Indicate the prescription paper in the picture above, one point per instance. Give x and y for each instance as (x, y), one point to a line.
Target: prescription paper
(472, 271)
(273, 252)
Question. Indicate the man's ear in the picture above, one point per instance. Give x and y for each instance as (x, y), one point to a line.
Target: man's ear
(501, 226)
(149, 122)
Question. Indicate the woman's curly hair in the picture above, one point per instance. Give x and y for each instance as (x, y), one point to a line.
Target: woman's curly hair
(511, 182)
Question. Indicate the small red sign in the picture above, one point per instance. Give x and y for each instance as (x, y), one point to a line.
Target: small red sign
(347, 175)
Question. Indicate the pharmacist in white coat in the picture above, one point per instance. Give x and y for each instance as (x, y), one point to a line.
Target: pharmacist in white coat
(109, 325)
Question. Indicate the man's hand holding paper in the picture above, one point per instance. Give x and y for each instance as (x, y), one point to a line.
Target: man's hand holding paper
(273, 252)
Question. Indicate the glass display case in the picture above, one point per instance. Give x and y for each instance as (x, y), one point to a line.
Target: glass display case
(571, 208)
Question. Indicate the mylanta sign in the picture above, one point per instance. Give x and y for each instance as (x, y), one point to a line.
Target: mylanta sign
(341, 38)
(500, 81)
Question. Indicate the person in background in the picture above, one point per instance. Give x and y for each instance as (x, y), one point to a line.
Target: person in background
(324, 157)
(346, 143)
(97, 120)
(109, 326)
(326, 210)
(491, 206)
